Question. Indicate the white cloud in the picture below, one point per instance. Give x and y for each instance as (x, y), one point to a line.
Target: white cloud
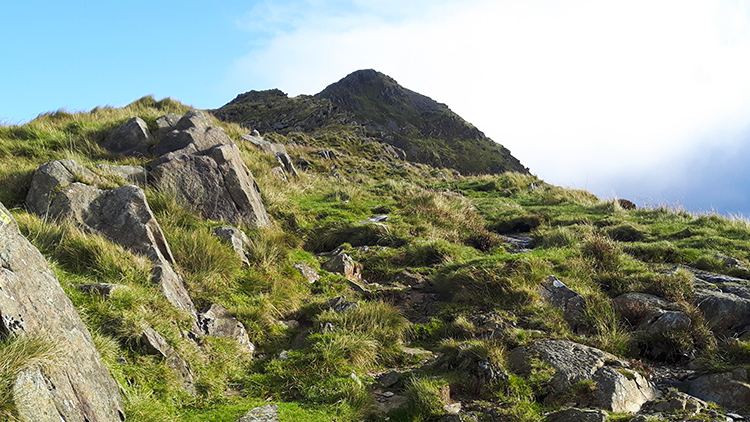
(582, 92)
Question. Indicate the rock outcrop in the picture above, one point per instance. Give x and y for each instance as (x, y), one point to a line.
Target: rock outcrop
(265, 146)
(50, 178)
(136, 175)
(214, 180)
(343, 264)
(122, 215)
(193, 128)
(130, 138)
(618, 388)
(286, 162)
(651, 313)
(79, 388)
(725, 304)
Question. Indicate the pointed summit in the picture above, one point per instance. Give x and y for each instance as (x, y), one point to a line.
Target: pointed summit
(427, 130)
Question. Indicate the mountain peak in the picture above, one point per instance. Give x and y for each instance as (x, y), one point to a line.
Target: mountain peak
(427, 130)
(378, 87)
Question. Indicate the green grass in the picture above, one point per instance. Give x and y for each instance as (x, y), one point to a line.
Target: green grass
(446, 228)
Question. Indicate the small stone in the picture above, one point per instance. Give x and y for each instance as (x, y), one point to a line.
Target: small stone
(389, 378)
(265, 413)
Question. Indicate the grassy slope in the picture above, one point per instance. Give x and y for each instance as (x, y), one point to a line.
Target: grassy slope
(443, 227)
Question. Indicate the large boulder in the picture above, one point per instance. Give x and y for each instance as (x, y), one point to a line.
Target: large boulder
(193, 128)
(215, 181)
(78, 387)
(726, 311)
(122, 215)
(52, 177)
(652, 314)
(130, 138)
(166, 124)
(618, 388)
(727, 389)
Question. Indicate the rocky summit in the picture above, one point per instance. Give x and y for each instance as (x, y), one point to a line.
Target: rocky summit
(381, 110)
(347, 256)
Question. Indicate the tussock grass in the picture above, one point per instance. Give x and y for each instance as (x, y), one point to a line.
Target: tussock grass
(441, 225)
(18, 353)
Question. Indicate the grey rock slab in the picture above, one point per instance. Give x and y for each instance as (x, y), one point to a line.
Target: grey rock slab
(193, 128)
(557, 294)
(265, 413)
(726, 314)
(166, 124)
(618, 389)
(50, 178)
(651, 313)
(240, 184)
(676, 401)
(154, 344)
(723, 389)
(578, 415)
(389, 378)
(286, 162)
(130, 138)
(33, 303)
(343, 264)
(215, 182)
(33, 397)
(173, 288)
(643, 301)
(123, 215)
(265, 146)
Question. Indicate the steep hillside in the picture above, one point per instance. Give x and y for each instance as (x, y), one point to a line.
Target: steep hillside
(428, 131)
(319, 276)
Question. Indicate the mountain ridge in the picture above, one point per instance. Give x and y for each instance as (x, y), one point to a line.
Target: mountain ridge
(428, 131)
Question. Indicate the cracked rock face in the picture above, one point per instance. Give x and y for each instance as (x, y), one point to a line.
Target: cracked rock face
(122, 215)
(214, 181)
(78, 388)
(619, 389)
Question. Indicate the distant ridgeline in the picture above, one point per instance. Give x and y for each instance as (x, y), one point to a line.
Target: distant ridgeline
(428, 131)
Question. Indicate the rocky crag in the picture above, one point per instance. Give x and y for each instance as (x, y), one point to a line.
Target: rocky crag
(424, 130)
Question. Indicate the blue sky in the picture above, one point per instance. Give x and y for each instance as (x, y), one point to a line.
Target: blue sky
(645, 100)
